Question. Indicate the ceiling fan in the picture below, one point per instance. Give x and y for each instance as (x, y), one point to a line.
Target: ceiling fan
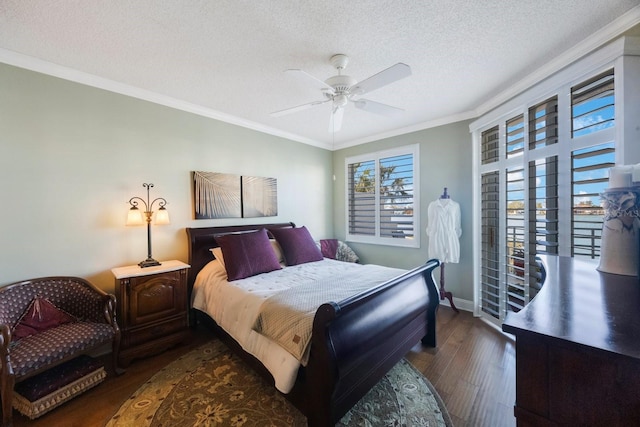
(341, 89)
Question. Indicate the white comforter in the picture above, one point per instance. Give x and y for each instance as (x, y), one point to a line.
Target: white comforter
(235, 306)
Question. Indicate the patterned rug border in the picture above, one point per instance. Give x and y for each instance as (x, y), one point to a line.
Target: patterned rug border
(143, 405)
(174, 371)
(443, 408)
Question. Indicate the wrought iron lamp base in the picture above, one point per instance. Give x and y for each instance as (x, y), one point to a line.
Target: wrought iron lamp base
(149, 262)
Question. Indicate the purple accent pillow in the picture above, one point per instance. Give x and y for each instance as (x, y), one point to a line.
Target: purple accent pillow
(297, 245)
(38, 317)
(247, 254)
(329, 248)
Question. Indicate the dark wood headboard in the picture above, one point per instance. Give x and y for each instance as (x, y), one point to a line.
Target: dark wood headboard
(201, 240)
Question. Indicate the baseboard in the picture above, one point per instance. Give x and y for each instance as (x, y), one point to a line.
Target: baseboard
(461, 304)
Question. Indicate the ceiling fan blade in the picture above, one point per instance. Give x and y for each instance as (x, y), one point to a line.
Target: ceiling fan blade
(298, 108)
(307, 78)
(383, 78)
(335, 121)
(377, 107)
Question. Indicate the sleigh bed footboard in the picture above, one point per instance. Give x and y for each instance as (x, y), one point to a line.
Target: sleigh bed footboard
(357, 341)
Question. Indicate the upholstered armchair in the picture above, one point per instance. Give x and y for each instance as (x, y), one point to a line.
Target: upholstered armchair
(77, 318)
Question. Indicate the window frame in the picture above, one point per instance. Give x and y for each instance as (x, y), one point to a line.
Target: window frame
(377, 239)
(564, 147)
(621, 55)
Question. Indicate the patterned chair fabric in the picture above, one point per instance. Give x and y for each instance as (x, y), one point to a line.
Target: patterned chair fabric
(96, 326)
(54, 345)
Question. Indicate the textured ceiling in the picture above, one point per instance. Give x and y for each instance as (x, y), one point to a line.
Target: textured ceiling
(225, 58)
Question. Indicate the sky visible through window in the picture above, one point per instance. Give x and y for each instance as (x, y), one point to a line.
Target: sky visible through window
(399, 169)
(589, 117)
(382, 198)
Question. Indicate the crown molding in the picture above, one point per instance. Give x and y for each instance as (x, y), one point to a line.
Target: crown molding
(588, 45)
(595, 41)
(31, 63)
(45, 67)
(454, 118)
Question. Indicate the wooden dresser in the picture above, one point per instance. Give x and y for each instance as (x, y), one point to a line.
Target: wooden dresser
(152, 308)
(578, 348)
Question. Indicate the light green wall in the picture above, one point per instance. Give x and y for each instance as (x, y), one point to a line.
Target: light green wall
(71, 156)
(445, 161)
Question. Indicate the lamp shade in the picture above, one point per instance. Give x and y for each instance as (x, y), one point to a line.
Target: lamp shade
(162, 216)
(134, 217)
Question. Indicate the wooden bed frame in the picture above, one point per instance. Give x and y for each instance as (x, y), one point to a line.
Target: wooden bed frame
(354, 343)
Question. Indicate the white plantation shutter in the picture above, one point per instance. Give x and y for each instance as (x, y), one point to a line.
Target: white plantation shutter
(543, 206)
(490, 148)
(543, 188)
(515, 136)
(590, 172)
(515, 231)
(592, 112)
(490, 295)
(543, 123)
(541, 173)
(592, 105)
(383, 197)
(396, 196)
(362, 198)
(543, 215)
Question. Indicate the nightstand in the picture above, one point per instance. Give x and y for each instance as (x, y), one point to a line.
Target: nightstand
(152, 308)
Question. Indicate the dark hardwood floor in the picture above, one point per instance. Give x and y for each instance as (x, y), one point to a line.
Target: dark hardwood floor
(473, 370)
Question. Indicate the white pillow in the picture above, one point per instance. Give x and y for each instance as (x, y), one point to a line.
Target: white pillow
(217, 253)
(278, 250)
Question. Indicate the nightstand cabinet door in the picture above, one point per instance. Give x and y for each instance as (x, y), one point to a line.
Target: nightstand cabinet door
(152, 310)
(156, 298)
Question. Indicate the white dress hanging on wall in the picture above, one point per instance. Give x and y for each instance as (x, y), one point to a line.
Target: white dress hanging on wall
(444, 230)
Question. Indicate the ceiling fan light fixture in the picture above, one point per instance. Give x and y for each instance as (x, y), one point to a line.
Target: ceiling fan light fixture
(341, 89)
(340, 101)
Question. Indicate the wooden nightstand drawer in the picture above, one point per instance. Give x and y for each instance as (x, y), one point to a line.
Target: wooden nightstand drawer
(152, 308)
(155, 330)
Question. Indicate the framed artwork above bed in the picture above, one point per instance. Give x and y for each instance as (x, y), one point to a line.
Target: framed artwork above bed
(223, 195)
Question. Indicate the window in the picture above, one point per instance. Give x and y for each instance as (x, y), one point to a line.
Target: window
(490, 145)
(543, 123)
(590, 175)
(543, 216)
(543, 206)
(490, 249)
(592, 105)
(382, 197)
(541, 173)
(592, 111)
(514, 278)
(515, 136)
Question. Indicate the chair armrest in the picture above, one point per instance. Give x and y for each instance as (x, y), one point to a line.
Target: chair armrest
(110, 311)
(5, 341)
(5, 336)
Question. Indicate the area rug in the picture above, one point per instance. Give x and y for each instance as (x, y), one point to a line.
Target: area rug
(210, 386)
